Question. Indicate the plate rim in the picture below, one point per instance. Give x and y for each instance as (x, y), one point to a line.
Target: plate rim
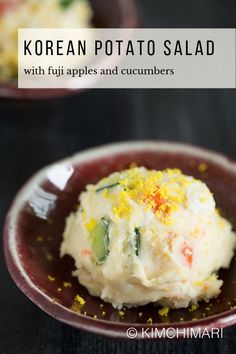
(60, 312)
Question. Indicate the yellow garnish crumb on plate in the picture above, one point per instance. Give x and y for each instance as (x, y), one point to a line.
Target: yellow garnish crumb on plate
(103, 313)
(121, 313)
(51, 278)
(49, 257)
(140, 314)
(202, 167)
(80, 300)
(67, 284)
(78, 303)
(101, 305)
(39, 238)
(149, 321)
(95, 317)
(164, 311)
(59, 289)
(193, 307)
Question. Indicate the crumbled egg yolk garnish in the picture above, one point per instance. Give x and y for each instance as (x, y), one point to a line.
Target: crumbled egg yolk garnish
(123, 209)
(91, 224)
(154, 191)
(198, 283)
(205, 281)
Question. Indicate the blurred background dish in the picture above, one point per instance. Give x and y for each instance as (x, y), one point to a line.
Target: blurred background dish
(16, 14)
(36, 14)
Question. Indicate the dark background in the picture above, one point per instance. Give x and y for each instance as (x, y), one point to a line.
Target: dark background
(37, 133)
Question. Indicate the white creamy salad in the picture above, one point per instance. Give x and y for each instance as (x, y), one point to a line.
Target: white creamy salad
(16, 14)
(143, 236)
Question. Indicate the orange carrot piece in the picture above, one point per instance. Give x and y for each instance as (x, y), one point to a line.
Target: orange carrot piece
(86, 252)
(187, 252)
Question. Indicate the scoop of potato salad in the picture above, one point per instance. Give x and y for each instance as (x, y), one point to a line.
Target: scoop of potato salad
(143, 236)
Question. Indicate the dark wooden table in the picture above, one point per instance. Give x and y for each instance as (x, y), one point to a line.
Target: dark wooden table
(35, 134)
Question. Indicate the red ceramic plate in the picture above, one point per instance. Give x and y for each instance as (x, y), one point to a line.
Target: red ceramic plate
(107, 14)
(35, 222)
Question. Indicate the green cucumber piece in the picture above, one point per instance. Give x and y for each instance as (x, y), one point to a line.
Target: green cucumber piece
(65, 3)
(100, 239)
(137, 241)
(107, 187)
